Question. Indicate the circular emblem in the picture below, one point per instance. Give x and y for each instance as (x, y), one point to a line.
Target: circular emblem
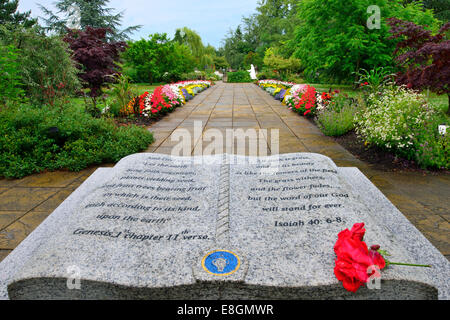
(221, 262)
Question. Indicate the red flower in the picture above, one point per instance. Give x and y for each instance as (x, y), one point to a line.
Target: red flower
(350, 274)
(142, 101)
(377, 258)
(158, 99)
(354, 259)
(326, 96)
(307, 100)
(356, 233)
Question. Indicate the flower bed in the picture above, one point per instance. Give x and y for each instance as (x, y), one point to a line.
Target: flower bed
(401, 121)
(301, 98)
(165, 98)
(394, 119)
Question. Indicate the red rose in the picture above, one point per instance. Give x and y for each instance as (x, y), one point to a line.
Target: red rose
(346, 272)
(356, 233)
(376, 257)
(354, 258)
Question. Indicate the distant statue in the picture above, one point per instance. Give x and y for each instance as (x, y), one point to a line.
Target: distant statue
(252, 72)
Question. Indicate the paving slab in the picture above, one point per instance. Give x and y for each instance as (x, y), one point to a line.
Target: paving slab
(4, 253)
(15, 233)
(24, 199)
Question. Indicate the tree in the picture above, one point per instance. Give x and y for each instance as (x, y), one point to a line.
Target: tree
(8, 14)
(424, 58)
(220, 62)
(441, 8)
(207, 59)
(276, 21)
(272, 26)
(46, 69)
(252, 58)
(179, 61)
(192, 40)
(153, 58)
(333, 40)
(97, 59)
(92, 13)
(203, 55)
(275, 61)
(236, 48)
(9, 75)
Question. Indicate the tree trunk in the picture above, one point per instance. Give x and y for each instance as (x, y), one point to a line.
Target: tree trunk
(94, 101)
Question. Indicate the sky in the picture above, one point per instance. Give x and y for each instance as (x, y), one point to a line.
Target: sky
(212, 19)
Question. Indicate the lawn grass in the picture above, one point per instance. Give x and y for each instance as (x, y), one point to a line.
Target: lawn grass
(136, 88)
(140, 88)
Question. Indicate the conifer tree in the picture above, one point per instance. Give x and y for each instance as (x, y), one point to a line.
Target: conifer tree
(92, 13)
(9, 14)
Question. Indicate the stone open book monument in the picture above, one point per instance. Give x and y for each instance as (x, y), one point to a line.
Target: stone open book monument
(218, 227)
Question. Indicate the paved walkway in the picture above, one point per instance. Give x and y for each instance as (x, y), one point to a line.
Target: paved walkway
(423, 199)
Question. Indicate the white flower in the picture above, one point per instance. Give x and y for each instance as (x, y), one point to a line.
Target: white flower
(106, 109)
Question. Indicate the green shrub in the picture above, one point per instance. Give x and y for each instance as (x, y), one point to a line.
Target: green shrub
(33, 139)
(238, 77)
(212, 76)
(295, 79)
(338, 119)
(121, 94)
(374, 80)
(268, 74)
(46, 69)
(195, 75)
(400, 120)
(432, 149)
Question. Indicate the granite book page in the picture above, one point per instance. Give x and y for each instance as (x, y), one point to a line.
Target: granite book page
(286, 223)
(153, 217)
